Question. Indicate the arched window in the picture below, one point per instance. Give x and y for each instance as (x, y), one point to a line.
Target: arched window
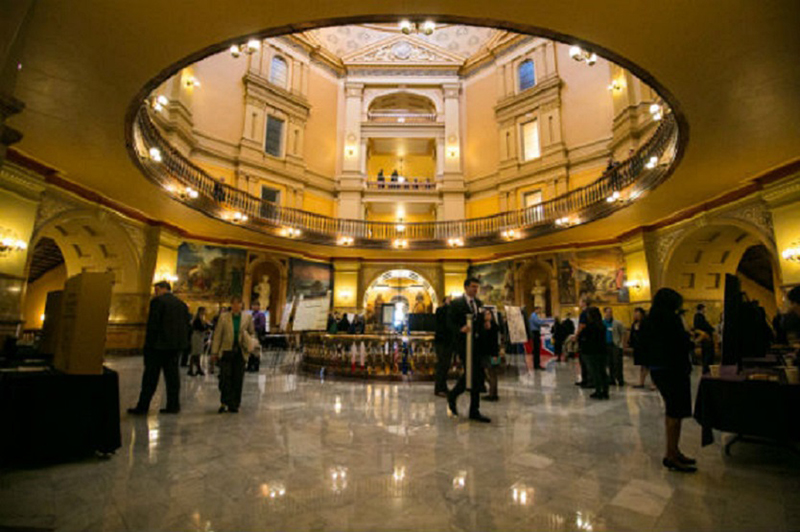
(278, 71)
(527, 75)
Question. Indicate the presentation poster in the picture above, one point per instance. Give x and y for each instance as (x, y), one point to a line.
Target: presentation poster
(312, 314)
(516, 327)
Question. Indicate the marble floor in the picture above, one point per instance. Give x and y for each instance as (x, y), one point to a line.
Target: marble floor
(311, 454)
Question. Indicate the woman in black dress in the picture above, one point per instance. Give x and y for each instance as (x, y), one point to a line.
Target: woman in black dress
(635, 343)
(592, 341)
(667, 345)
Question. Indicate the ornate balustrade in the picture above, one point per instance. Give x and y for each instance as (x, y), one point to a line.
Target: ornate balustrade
(616, 188)
(378, 356)
(400, 117)
(407, 185)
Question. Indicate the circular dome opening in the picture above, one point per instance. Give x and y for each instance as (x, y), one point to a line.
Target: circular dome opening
(410, 134)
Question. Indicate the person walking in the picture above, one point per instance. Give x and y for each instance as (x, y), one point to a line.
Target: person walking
(460, 309)
(166, 337)
(536, 335)
(233, 337)
(615, 334)
(200, 327)
(489, 348)
(442, 344)
(592, 341)
(667, 346)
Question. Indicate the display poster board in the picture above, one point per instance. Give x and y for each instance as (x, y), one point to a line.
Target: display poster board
(312, 314)
(516, 327)
(287, 313)
(387, 314)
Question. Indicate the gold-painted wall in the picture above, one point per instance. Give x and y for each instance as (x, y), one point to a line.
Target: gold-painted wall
(481, 143)
(218, 103)
(483, 207)
(413, 166)
(36, 295)
(318, 204)
(321, 133)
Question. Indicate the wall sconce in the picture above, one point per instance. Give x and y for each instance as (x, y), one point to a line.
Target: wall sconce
(350, 151)
(509, 234)
(792, 253)
(455, 242)
(651, 163)
(290, 232)
(452, 152)
(656, 112)
(615, 196)
(155, 154)
(400, 243)
(159, 102)
(616, 85)
(9, 244)
(239, 217)
(634, 284)
(345, 295)
(249, 48)
(581, 55)
(346, 241)
(408, 27)
(191, 82)
(165, 275)
(400, 227)
(183, 193)
(565, 221)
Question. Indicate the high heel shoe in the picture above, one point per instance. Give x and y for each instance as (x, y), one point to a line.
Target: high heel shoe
(680, 467)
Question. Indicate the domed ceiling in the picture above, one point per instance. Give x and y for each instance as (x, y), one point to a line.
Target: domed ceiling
(463, 41)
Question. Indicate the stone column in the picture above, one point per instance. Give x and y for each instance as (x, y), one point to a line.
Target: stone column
(351, 181)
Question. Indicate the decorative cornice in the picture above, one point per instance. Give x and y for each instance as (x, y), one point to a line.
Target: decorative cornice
(404, 50)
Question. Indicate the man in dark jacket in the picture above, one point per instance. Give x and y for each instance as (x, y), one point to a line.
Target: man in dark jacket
(443, 345)
(166, 337)
(460, 308)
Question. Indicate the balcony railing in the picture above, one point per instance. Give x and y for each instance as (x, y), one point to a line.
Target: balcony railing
(617, 187)
(405, 184)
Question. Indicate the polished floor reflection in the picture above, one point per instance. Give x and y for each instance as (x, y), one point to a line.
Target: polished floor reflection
(310, 454)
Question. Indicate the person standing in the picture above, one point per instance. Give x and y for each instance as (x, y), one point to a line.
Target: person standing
(233, 337)
(668, 346)
(705, 333)
(615, 333)
(460, 308)
(592, 341)
(536, 335)
(260, 327)
(488, 345)
(586, 379)
(200, 327)
(166, 337)
(442, 344)
(635, 343)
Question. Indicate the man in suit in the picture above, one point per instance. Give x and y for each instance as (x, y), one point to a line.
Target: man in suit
(234, 337)
(444, 351)
(460, 308)
(167, 336)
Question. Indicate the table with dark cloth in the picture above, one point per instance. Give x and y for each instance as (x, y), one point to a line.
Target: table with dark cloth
(50, 416)
(762, 409)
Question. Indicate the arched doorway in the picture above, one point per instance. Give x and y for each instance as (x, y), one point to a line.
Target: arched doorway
(47, 272)
(403, 286)
(698, 263)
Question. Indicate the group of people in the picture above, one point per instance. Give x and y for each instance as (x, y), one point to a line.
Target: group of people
(341, 323)
(172, 331)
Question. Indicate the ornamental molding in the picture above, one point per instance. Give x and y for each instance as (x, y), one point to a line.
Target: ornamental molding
(756, 214)
(403, 49)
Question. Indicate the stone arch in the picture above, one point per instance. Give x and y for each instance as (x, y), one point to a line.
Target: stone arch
(696, 264)
(278, 272)
(370, 99)
(390, 273)
(544, 269)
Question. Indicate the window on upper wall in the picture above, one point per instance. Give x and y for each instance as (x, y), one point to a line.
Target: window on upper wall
(527, 75)
(530, 140)
(274, 137)
(532, 198)
(270, 194)
(278, 71)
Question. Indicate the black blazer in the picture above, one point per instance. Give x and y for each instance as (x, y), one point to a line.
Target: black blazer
(442, 324)
(168, 324)
(459, 308)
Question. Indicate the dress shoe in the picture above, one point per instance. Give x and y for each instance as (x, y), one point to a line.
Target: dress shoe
(451, 406)
(136, 411)
(685, 459)
(170, 410)
(440, 394)
(480, 418)
(673, 465)
(490, 398)
(233, 410)
(222, 409)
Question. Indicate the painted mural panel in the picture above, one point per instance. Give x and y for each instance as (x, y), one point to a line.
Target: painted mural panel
(210, 272)
(600, 275)
(309, 279)
(497, 282)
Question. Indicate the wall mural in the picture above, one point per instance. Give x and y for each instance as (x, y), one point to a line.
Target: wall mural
(210, 272)
(309, 279)
(497, 282)
(599, 275)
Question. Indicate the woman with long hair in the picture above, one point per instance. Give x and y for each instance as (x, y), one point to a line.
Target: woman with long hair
(592, 341)
(667, 346)
(200, 327)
